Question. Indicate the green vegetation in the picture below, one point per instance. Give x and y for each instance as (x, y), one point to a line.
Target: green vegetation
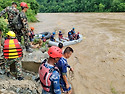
(113, 90)
(3, 26)
(32, 10)
(81, 5)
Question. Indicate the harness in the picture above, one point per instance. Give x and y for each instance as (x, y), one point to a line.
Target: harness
(45, 74)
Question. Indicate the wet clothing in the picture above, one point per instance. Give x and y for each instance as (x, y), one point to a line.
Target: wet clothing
(54, 78)
(62, 65)
(12, 54)
(12, 49)
(52, 38)
(11, 12)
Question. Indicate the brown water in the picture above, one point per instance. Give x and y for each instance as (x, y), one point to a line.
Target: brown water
(99, 60)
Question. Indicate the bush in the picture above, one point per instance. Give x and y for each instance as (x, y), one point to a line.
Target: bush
(3, 26)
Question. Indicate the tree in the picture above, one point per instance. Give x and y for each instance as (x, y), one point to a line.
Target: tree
(101, 7)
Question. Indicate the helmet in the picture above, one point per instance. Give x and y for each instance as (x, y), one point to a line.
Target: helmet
(78, 33)
(55, 52)
(54, 33)
(32, 28)
(23, 4)
(60, 31)
(43, 35)
(11, 34)
(73, 28)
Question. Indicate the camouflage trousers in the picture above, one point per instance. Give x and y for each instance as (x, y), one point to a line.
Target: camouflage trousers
(25, 36)
(18, 65)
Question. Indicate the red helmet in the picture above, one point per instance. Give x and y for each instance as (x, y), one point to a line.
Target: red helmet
(32, 28)
(78, 32)
(23, 4)
(55, 52)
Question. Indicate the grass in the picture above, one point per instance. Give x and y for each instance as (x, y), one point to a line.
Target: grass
(113, 90)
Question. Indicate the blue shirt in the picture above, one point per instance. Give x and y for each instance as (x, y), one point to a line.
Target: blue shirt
(62, 65)
(55, 79)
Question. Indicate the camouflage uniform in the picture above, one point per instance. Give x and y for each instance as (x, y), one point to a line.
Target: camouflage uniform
(12, 12)
(18, 65)
(24, 31)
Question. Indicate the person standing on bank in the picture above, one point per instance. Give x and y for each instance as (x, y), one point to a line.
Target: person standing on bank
(11, 11)
(49, 74)
(62, 65)
(12, 52)
(24, 30)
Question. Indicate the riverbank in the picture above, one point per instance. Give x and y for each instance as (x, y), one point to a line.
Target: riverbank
(98, 61)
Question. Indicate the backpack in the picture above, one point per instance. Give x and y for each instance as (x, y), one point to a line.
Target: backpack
(17, 23)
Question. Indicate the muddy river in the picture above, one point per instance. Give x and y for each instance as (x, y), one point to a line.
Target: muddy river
(99, 60)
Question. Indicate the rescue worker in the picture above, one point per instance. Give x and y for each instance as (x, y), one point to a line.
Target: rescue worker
(74, 35)
(72, 31)
(24, 30)
(12, 52)
(49, 74)
(77, 36)
(62, 65)
(70, 37)
(43, 38)
(11, 11)
(60, 35)
(31, 34)
(52, 36)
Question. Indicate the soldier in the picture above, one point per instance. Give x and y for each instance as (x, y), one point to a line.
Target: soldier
(24, 30)
(12, 12)
(12, 52)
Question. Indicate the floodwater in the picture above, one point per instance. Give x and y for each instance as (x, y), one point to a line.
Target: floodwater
(99, 60)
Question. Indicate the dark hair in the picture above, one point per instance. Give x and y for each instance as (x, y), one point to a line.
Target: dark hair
(68, 50)
(14, 3)
(60, 45)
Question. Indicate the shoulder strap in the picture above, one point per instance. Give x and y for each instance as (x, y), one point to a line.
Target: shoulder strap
(54, 69)
(44, 61)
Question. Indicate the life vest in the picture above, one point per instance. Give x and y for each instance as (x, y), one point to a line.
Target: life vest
(12, 49)
(45, 74)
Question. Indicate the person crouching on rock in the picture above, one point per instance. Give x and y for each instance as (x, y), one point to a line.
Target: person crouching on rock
(31, 34)
(49, 74)
(12, 52)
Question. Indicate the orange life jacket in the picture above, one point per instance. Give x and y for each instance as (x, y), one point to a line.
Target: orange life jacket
(12, 49)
